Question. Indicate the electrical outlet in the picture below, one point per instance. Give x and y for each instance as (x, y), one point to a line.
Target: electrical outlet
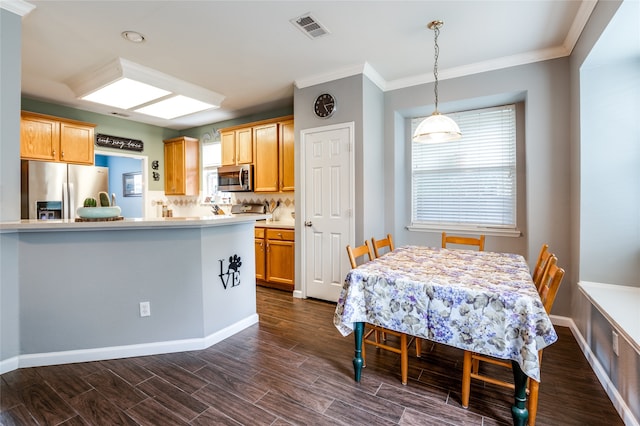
(614, 342)
(145, 309)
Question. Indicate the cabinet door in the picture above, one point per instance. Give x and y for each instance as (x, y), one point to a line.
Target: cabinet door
(76, 143)
(191, 161)
(286, 158)
(244, 145)
(39, 138)
(181, 166)
(280, 262)
(266, 158)
(260, 258)
(172, 158)
(228, 147)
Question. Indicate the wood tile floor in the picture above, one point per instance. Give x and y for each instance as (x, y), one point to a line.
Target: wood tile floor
(292, 368)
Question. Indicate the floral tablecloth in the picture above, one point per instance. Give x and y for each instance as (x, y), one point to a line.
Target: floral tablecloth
(480, 301)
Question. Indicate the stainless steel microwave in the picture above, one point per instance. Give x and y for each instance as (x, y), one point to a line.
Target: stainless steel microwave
(235, 178)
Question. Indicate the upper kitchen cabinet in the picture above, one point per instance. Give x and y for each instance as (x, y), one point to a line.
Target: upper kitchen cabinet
(181, 166)
(47, 138)
(286, 156)
(271, 153)
(237, 146)
(265, 178)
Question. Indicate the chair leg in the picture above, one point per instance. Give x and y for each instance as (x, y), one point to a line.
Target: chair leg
(418, 347)
(533, 401)
(466, 379)
(404, 358)
(364, 355)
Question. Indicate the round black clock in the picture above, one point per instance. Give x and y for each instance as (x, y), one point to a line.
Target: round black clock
(325, 105)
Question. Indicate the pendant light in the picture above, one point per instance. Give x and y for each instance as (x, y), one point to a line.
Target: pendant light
(437, 127)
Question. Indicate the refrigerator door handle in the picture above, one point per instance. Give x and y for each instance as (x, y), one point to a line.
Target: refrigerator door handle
(72, 200)
(65, 201)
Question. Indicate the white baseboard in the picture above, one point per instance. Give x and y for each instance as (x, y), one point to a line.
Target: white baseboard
(616, 399)
(298, 294)
(9, 364)
(127, 351)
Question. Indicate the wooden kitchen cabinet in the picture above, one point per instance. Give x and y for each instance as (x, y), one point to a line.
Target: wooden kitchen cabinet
(48, 138)
(265, 178)
(286, 156)
(261, 251)
(275, 266)
(237, 146)
(269, 146)
(181, 166)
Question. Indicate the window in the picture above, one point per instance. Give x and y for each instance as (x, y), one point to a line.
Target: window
(211, 159)
(469, 183)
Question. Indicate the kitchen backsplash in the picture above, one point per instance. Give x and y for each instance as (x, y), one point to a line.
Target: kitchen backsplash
(193, 206)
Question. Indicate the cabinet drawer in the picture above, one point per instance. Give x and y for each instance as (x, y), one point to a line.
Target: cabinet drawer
(281, 234)
(259, 232)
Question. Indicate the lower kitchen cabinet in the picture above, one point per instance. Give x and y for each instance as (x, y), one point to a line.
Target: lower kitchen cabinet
(261, 251)
(275, 265)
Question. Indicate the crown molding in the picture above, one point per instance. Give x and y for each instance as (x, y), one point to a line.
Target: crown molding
(19, 7)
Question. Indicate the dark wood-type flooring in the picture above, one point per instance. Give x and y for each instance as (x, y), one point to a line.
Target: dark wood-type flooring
(292, 368)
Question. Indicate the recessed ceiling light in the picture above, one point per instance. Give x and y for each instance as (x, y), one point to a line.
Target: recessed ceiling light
(133, 36)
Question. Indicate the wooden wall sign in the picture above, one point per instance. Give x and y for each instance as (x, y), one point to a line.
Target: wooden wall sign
(108, 141)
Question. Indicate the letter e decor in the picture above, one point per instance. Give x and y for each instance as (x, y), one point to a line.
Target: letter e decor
(233, 271)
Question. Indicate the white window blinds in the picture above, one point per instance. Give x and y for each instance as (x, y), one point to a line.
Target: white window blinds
(471, 181)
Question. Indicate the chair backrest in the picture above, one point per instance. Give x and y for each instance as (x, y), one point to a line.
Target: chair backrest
(359, 251)
(380, 244)
(541, 264)
(467, 241)
(550, 283)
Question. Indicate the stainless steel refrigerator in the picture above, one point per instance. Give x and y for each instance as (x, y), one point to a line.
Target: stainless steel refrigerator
(56, 190)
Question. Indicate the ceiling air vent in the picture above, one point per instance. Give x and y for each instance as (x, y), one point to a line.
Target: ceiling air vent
(310, 26)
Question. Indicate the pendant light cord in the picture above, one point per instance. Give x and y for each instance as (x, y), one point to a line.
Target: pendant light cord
(436, 29)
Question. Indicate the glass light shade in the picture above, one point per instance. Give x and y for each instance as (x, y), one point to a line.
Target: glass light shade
(437, 128)
(175, 106)
(125, 93)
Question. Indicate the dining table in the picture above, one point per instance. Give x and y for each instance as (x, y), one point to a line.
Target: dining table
(479, 301)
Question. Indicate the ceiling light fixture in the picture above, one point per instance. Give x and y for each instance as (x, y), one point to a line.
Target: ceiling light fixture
(437, 127)
(132, 36)
(135, 88)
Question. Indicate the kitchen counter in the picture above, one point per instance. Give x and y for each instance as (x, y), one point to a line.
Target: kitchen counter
(81, 285)
(32, 225)
(284, 224)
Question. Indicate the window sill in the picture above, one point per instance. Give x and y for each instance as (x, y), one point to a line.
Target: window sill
(495, 232)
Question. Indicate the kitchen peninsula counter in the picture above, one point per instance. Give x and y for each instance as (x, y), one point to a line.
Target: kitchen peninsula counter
(31, 225)
(81, 285)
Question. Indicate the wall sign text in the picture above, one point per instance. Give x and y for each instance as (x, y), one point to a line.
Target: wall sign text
(108, 141)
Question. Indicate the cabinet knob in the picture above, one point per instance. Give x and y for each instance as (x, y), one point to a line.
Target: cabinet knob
(62, 153)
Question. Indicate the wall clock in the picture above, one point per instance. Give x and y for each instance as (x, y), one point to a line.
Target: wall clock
(324, 105)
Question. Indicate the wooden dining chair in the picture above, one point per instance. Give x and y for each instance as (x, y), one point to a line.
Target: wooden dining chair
(373, 333)
(550, 282)
(541, 265)
(467, 241)
(381, 244)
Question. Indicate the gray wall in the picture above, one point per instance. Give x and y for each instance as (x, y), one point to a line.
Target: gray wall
(10, 42)
(610, 182)
(605, 187)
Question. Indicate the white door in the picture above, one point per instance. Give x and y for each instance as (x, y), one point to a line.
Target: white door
(328, 203)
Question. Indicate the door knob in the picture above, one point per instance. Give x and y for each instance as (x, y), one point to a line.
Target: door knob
(308, 223)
